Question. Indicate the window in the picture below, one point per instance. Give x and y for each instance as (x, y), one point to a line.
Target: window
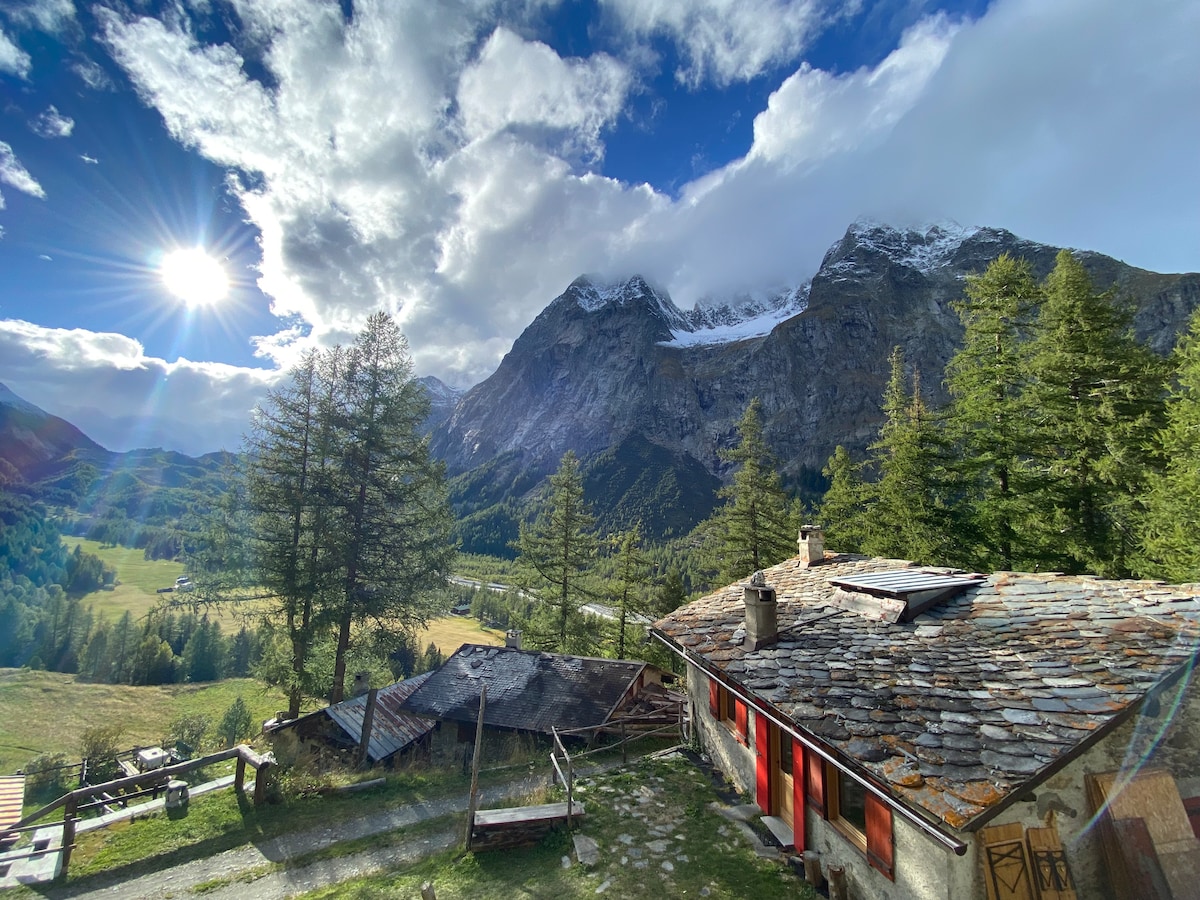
(727, 708)
(857, 813)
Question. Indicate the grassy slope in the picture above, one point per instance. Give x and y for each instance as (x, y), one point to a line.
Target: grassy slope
(45, 712)
(140, 580)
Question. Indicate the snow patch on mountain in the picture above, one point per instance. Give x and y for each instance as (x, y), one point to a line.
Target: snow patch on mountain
(924, 247)
(740, 320)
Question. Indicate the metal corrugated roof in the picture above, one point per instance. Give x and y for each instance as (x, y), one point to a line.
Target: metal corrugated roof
(392, 728)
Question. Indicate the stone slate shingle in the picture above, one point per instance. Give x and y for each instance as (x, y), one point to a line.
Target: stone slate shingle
(959, 709)
(526, 689)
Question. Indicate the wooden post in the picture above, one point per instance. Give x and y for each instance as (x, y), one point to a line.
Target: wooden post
(68, 835)
(364, 741)
(624, 753)
(260, 782)
(474, 802)
(427, 891)
(570, 786)
(812, 867)
(239, 776)
(838, 890)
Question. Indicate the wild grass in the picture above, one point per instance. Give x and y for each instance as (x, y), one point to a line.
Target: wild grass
(451, 632)
(45, 712)
(705, 853)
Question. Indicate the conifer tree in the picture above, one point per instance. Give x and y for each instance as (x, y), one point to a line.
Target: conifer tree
(1172, 522)
(843, 509)
(628, 588)
(393, 515)
(986, 421)
(1095, 402)
(757, 525)
(907, 517)
(555, 554)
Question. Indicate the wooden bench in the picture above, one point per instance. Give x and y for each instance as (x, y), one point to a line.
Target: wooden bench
(517, 826)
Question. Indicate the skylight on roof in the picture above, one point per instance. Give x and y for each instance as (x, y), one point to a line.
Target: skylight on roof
(898, 595)
(899, 583)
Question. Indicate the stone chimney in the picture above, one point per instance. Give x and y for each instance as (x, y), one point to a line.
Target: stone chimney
(362, 684)
(762, 626)
(812, 545)
(512, 638)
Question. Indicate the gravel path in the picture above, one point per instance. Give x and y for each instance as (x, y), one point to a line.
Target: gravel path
(241, 862)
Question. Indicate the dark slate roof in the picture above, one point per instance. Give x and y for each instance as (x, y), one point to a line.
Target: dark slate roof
(526, 689)
(976, 698)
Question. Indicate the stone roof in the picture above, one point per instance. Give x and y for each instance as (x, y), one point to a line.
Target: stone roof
(527, 690)
(956, 711)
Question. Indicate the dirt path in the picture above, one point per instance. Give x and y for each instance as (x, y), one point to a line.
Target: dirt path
(241, 862)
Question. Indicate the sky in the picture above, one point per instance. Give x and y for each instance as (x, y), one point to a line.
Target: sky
(459, 163)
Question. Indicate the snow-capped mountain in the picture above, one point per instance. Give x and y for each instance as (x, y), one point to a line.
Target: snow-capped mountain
(606, 361)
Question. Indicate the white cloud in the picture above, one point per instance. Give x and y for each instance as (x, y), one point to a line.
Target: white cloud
(523, 83)
(426, 159)
(121, 398)
(16, 175)
(814, 115)
(50, 16)
(725, 41)
(12, 58)
(52, 124)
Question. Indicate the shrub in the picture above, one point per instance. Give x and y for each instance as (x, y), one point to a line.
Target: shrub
(99, 746)
(187, 733)
(50, 774)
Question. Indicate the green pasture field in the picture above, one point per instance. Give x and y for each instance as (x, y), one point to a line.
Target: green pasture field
(451, 632)
(45, 712)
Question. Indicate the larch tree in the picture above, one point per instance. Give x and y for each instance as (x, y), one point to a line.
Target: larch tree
(1095, 403)
(986, 421)
(555, 554)
(393, 516)
(1171, 532)
(758, 524)
(627, 590)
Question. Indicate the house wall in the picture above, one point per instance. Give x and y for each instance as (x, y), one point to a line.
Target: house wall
(499, 746)
(924, 870)
(1164, 735)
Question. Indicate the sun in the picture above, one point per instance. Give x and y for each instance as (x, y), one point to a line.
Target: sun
(194, 277)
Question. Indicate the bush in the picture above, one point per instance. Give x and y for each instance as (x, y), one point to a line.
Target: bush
(99, 747)
(187, 733)
(50, 774)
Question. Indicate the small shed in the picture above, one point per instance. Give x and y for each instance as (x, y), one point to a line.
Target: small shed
(339, 727)
(528, 693)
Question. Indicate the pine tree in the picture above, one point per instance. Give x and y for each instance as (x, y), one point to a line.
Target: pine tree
(843, 509)
(758, 524)
(1172, 522)
(556, 552)
(906, 513)
(1095, 401)
(986, 421)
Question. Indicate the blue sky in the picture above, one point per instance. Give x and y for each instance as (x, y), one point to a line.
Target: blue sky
(459, 163)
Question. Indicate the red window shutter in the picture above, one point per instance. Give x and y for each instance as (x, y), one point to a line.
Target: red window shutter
(740, 721)
(762, 767)
(714, 699)
(879, 835)
(815, 782)
(799, 838)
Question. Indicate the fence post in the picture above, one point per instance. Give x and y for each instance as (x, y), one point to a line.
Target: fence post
(68, 835)
(239, 777)
(474, 801)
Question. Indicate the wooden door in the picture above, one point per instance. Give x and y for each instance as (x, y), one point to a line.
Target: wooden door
(782, 782)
